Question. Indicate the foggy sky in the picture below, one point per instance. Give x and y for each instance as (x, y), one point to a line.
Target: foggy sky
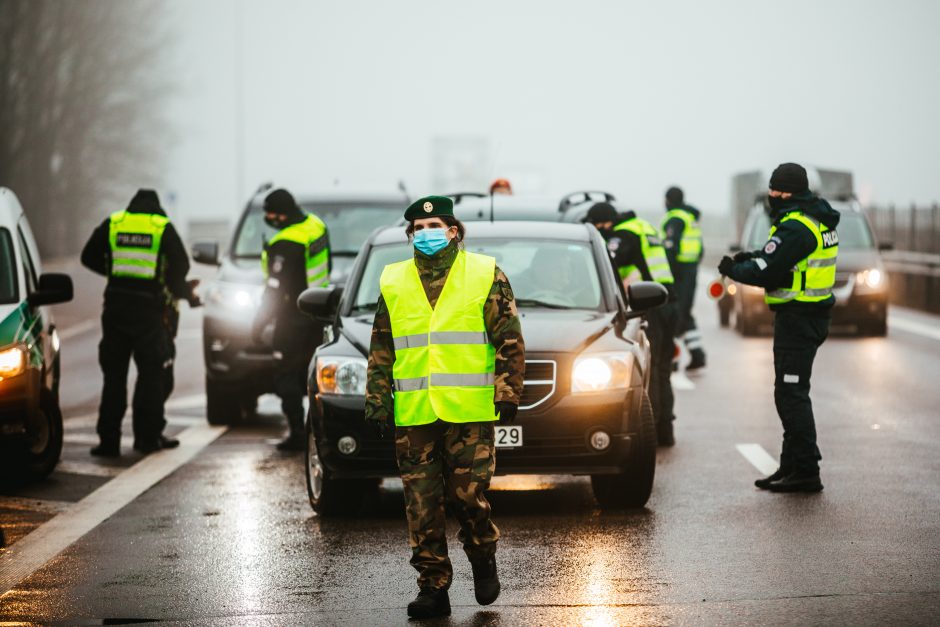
(630, 97)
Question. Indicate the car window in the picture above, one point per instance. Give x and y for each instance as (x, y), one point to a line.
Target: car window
(29, 268)
(32, 249)
(854, 233)
(349, 224)
(8, 283)
(543, 273)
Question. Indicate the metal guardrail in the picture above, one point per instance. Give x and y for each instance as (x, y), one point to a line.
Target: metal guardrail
(912, 262)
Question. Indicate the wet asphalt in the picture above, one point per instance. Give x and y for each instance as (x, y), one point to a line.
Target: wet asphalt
(229, 538)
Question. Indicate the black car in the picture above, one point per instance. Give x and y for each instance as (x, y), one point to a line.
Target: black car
(861, 288)
(585, 408)
(237, 370)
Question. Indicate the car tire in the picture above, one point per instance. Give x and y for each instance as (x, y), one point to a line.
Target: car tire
(43, 454)
(330, 497)
(876, 328)
(744, 325)
(632, 487)
(223, 403)
(724, 312)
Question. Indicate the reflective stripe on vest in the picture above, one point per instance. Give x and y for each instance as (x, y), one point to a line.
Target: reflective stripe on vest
(445, 365)
(652, 249)
(311, 235)
(813, 277)
(134, 239)
(690, 244)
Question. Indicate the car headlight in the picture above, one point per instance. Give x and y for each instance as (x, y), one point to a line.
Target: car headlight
(344, 376)
(12, 362)
(235, 296)
(600, 372)
(871, 280)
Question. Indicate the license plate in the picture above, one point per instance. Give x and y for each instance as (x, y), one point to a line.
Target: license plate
(508, 437)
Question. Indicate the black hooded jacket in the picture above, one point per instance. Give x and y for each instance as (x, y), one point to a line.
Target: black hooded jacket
(173, 261)
(771, 267)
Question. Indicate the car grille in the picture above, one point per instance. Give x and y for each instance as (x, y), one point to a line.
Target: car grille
(539, 384)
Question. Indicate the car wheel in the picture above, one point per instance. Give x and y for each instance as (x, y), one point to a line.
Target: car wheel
(876, 328)
(329, 496)
(223, 403)
(44, 438)
(724, 312)
(744, 325)
(633, 486)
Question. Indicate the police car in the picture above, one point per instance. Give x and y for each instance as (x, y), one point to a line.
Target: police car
(30, 419)
(584, 409)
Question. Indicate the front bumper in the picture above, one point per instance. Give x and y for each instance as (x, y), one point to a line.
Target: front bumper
(231, 355)
(19, 399)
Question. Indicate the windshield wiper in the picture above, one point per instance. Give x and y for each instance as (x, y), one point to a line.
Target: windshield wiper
(531, 302)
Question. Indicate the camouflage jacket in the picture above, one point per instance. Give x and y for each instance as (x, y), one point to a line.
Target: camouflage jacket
(502, 326)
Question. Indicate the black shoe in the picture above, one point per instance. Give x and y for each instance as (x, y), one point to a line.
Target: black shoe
(797, 482)
(764, 484)
(430, 603)
(664, 433)
(147, 446)
(166, 442)
(106, 450)
(485, 580)
(292, 443)
(697, 361)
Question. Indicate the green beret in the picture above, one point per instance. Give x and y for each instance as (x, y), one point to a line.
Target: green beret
(430, 207)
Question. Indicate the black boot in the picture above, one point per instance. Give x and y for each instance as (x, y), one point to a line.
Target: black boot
(664, 434)
(292, 443)
(106, 449)
(764, 484)
(697, 361)
(166, 442)
(485, 580)
(430, 603)
(798, 482)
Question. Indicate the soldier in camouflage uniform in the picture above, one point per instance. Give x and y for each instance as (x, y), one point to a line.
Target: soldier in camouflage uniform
(445, 460)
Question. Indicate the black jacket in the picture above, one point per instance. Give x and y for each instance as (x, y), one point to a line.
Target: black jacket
(173, 263)
(672, 236)
(626, 249)
(771, 267)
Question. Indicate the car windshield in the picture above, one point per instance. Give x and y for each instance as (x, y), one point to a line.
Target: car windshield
(348, 223)
(8, 288)
(543, 273)
(854, 233)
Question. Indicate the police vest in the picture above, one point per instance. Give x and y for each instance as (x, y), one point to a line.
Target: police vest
(445, 366)
(652, 249)
(814, 276)
(308, 234)
(690, 244)
(135, 239)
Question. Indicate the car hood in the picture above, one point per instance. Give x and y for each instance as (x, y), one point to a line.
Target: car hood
(858, 260)
(247, 270)
(540, 329)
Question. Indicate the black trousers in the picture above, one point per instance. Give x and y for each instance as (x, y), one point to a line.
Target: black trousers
(661, 331)
(796, 339)
(295, 339)
(138, 333)
(686, 277)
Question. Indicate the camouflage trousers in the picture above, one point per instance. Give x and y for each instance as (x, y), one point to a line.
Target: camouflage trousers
(446, 465)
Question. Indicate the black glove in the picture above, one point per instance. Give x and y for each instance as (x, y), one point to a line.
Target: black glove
(193, 298)
(506, 412)
(725, 266)
(742, 256)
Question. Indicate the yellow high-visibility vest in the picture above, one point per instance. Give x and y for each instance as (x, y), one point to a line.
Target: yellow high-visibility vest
(135, 244)
(652, 249)
(690, 244)
(308, 234)
(814, 276)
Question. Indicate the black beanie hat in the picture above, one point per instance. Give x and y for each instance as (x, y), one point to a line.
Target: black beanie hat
(601, 212)
(789, 177)
(147, 201)
(674, 197)
(281, 202)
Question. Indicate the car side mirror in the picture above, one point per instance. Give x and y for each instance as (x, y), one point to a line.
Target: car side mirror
(885, 246)
(320, 303)
(645, 295)
(734, 248)
(206, 252)
(53, 288)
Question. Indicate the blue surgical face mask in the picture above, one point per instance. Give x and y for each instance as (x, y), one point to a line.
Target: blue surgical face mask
(430, 241)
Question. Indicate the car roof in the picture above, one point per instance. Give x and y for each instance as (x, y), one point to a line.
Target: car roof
(10, 211)
(342, 197)
(508, 207)
(507, 229)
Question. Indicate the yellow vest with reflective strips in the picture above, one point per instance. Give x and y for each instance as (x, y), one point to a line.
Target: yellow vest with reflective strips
(308, 234)
(814, 276)
(135, 239)
(652, 249)
(445, 366)
(690, 245)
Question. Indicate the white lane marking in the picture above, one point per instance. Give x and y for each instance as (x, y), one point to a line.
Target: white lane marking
(51, 538)
(77, 329)
(34, 505)
(193, 401)
(681, 381)
(897, 322)
(758, 457)
(92, 438)
(189, 334)
(91, 420)
(88, 468)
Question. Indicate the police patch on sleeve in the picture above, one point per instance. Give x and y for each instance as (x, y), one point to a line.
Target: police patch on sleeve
(772, 245)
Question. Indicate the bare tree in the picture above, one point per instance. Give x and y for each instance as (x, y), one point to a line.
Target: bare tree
(83, 92)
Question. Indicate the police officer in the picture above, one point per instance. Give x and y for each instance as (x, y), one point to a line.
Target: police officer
(797, 269)
(637, 254)
(141, 254)
(447, 339)
(296, 258)
(682, 239)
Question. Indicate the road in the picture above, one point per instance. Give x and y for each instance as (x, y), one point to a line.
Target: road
(220, 532)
